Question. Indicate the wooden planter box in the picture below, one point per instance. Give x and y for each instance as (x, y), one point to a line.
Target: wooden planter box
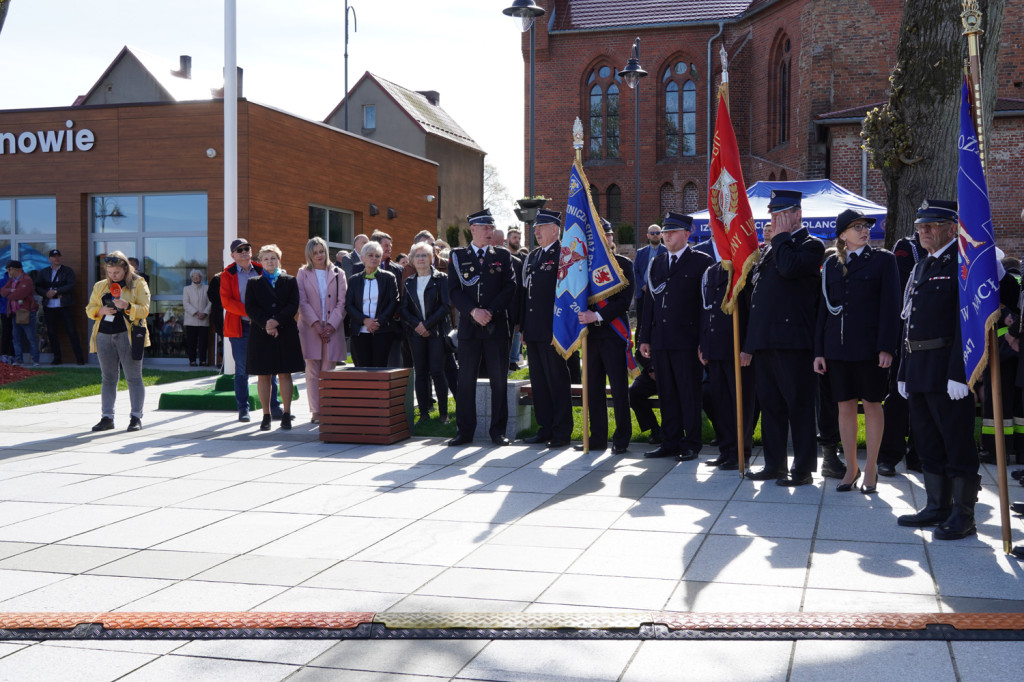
(365, 405)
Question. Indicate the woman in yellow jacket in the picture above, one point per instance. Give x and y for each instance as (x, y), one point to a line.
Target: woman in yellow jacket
(118, 301)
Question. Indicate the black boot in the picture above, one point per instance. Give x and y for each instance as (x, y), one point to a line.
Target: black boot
(939, 505)
(960, 523)
(831, 465)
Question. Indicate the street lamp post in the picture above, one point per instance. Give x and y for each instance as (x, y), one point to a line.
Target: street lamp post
(355, 29)
(632, 73)
(525, 13)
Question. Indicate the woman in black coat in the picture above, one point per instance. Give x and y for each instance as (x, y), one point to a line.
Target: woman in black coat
(370, 305)
(424, 310)
(858, 329)
(272, 302)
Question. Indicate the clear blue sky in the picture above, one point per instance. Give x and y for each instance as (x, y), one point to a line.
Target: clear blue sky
(292, 54)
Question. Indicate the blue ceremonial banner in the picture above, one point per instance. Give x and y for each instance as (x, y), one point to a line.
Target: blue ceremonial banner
(587, 270)
(979, 283)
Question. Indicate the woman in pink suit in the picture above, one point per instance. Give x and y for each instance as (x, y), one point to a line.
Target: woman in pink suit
(322, 287)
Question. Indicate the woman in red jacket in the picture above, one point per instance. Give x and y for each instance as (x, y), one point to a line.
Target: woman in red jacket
(20, 292)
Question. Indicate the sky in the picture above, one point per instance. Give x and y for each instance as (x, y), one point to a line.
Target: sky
(292, 54)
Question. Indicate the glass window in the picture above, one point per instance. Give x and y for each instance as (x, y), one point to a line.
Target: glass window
(33, 255)
(175, 213)
(166, 329)
(115, 214)
(334, 225)
(5, 217)
(779, 92)
(614, 205)
(168, 260)
(595, 196)
(603, 97)
(103, 247)
(35, 216)
(680, 110)
(369, 116)
(5, 251)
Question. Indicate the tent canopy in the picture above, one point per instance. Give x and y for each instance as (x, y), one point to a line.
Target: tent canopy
(823, 201)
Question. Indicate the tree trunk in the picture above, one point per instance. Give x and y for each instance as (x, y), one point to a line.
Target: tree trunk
(913, 138)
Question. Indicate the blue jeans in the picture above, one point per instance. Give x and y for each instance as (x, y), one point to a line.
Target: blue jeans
(23, 333)
(239, 347)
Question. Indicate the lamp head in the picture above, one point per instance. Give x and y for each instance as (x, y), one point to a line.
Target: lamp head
(524, 12)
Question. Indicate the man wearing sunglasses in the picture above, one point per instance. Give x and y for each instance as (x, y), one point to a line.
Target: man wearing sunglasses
(643, 261)
(233, 283)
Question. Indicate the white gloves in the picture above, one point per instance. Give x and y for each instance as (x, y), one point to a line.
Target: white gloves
(956, 390)
(901, 386)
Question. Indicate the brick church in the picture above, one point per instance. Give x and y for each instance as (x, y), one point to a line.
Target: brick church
(802, 74)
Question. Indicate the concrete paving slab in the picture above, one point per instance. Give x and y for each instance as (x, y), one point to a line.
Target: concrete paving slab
(148, 528)
(551, 560)
(536, 480)
(12, 548)
(545, 537)
(503, 585)
(838, 599)
(63, 558)
(608, 591)
(494, 507)
(374, 576)
(198, 595)
(319, 599)
(244, 496)
(240, 533)
(323, 499)
(294, 652)
(860, 524)
(440, 543)
(166, 493)
(870, 660)
(709, 661)
(84, 593)
(751, 560)
(871, 566)
(56, 663)
(14, 583)
(527, 661)
(678, 516)
(975, 571)
(310, 674)
(422, 657)
(67, 523)
(265, 570)
(13, 512)
(152, 563)
(985, 660)
(405, 503)
(641, 554)
(176, 667)
(722, 597)
(315, 473)
(333, 537)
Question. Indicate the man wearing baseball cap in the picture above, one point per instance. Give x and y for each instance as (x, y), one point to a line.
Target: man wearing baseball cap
(56, 286)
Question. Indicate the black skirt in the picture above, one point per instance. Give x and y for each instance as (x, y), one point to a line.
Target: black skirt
(860, 380)
(274, 355)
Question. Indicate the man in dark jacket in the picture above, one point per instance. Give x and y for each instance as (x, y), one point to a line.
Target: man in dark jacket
(56, 286)
(671, 334)
(783, 311)
(608, 335)
(481, 284)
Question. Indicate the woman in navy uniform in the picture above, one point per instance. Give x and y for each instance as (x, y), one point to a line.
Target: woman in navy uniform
(481, 285)
(783, 310)
(933, 380)
(857, 334)
(671, 334)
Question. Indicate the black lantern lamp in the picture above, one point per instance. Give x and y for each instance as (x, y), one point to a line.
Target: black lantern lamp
(524, 12)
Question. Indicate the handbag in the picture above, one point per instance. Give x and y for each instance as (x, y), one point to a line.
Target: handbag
(22, 316)
(138, 340)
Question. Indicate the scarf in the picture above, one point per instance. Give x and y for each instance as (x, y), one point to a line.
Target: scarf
(272, 276)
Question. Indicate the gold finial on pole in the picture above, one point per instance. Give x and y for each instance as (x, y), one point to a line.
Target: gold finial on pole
(577, 138)
(971, 18)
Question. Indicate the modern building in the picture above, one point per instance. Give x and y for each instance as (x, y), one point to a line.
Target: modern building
(147, 178)
(414, 121)
(802, 73)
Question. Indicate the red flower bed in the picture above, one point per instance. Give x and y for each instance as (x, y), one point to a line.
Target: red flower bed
(11, 373)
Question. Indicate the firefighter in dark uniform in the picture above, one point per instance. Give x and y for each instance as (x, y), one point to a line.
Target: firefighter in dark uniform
(933, 380)
(857, 332)
(717, 355)
(481, 284)
(780, 336)
(643, 388)
(897, 441)
(606, 356)
(671, 334)
(549, 373)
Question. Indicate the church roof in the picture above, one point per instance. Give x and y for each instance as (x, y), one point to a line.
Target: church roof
(583, 15)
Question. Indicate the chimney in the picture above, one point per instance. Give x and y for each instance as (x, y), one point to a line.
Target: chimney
(240, 95)
(433, 96)
(184, 68)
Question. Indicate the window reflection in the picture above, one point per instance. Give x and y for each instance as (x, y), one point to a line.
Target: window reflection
(35, 216)
(175, 213)
(168, 260)
(5, 216)
(115, 214)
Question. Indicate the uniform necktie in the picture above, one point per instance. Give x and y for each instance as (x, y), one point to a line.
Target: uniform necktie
(853, 257)
(672, 261)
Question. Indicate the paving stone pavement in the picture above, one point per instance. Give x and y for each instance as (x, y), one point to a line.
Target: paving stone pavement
(198, 512)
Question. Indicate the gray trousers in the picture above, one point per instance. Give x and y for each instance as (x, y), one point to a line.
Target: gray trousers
(115, 354)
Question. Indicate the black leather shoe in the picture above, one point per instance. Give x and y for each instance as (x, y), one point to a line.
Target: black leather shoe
(729, 466)
(1017, 474)
(105, 424)
(764, 475)
(499, 440)
(534, 439)
(620, 449)
(558, 443)
(460, 440)
(1017, 507)
(243, 416)
(847, 487)
(600, 447)
(716, 462)
(134, 424)
(663, 451)
(794, 480)
(655, 437)
(887, 470)
(1018, 552)
(687, 455)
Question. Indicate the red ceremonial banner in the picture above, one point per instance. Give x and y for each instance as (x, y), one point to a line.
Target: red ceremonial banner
(732, 223)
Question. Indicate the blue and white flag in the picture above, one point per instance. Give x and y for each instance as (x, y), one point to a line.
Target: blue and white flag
(979, 283)
(587, 270)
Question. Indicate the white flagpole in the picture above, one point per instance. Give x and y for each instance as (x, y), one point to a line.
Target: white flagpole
(230, 148)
